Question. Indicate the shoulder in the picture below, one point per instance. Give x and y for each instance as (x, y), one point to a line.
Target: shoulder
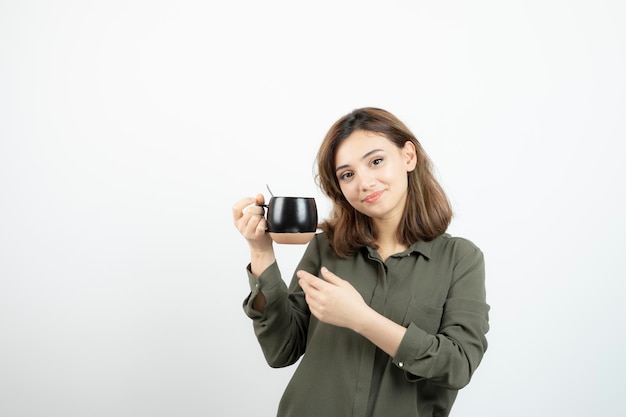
(321, 238)
(319, 242)
(448, 246)
(321, 246)
(457, 242)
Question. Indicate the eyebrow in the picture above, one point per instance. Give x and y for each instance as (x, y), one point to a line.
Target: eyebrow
(373, 151)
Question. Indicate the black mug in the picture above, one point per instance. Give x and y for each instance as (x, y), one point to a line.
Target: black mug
(291, 220)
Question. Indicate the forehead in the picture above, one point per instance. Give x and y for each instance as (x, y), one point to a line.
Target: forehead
(360, 142)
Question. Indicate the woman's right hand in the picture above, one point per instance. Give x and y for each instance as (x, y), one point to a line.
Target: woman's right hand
(249, 219)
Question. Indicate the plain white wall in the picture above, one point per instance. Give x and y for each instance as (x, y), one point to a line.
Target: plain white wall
(129, 128)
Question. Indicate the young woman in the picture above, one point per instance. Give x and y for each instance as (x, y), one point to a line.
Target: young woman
(386, 310)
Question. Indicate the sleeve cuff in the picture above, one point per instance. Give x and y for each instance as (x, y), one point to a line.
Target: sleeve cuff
(267, 283)
(412, 342)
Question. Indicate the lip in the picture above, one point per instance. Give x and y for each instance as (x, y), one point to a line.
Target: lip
(372, 198)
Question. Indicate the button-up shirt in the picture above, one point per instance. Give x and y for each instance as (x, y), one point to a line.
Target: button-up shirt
(435, 289)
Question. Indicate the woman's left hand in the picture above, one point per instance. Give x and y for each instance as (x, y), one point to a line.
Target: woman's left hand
(333, 300)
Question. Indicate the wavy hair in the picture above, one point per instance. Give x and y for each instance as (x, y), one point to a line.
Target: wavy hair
(427, 213)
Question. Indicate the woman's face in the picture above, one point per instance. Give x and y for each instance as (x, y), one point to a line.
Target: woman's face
(372, 174)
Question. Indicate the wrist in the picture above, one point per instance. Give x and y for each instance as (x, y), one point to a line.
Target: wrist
(363, 320)
(260, 260)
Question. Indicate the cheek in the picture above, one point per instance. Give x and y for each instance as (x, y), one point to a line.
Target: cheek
(347, 190)
(399, 176)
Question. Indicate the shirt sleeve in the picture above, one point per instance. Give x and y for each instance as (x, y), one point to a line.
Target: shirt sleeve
(282, 327)
(450, 357)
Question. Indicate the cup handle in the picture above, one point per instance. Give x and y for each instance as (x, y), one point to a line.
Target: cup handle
(265, 206)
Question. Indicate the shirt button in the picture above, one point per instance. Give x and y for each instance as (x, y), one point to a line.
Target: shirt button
(401, 364)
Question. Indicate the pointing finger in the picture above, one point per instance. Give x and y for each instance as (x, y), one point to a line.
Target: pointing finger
(330, 277)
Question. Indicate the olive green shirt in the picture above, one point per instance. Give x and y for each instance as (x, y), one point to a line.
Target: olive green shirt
(435, 289)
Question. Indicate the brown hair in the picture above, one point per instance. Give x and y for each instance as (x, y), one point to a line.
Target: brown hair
(427, 213)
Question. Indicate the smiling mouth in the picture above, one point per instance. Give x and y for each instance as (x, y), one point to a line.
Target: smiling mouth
(372, 198)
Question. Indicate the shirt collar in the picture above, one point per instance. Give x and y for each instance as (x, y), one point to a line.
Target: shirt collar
(421, 247)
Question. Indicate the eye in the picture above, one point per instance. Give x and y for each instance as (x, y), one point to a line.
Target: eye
(346, 176)
(377, 161)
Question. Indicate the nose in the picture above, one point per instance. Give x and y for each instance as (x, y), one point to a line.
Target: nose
(367, 181)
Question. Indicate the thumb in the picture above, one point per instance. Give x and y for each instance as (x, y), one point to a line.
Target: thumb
(260, 199)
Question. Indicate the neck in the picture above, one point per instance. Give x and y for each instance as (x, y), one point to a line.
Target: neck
(386, 229)
(386, 240)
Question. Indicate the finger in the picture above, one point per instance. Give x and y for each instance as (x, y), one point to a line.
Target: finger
(311, 280)
(253, 210)
(310, 293)
(330, 277)
(261, 226)
(249, 219)
(260, 199)
(253, 223)
(303, 280)
(307, 277)
(304, 285)
(239, 206)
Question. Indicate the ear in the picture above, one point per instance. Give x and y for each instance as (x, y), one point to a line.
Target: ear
(410, 155)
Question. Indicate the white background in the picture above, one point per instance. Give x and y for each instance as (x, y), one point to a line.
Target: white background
(128, 129)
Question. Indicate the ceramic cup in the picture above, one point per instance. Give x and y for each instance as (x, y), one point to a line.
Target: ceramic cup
(291, 220)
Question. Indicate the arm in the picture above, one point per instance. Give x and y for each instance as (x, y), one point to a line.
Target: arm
(335, 301)
(249, 220)
(447, 358)
(281, 327)
(450, 357)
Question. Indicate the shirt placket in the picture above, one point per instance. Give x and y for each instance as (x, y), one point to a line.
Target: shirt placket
(364, 377)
